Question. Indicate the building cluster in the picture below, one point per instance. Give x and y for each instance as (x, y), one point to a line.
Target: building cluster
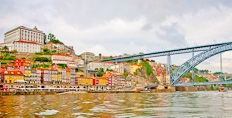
(26, 40)
(21, 75)
(30, 41)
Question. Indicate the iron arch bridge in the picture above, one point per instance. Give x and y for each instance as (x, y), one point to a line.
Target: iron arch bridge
(207, 51)
(182, 70)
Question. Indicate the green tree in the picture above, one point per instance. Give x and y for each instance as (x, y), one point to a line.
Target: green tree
(99, 74)
(147, 66)
(100, 55)
(14, 51)
(38, 59)
(51, 37)
(5, 48)
(44, 59)
(63, 65)
(218, 73)
(125, 74)
(53, 51)
(152, 60)
(45, 49)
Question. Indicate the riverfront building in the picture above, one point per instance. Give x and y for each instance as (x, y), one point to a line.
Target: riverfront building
(14, 76)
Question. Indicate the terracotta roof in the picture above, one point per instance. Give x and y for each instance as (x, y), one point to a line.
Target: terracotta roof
(61, 55)
(13, 72)
(26, 41)
(68, 69)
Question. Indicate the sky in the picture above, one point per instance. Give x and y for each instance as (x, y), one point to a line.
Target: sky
(115, 27)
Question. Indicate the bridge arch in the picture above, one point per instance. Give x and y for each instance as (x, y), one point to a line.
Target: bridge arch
(182, 70)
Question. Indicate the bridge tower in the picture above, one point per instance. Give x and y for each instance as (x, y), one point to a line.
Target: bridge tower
(193, 74)
(168, 64)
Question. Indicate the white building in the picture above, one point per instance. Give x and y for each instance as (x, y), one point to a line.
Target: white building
(79, 62)
(23, 33)
(23, 46)
(119, 67)
(104, 65)
(88, 56)
(63, 59)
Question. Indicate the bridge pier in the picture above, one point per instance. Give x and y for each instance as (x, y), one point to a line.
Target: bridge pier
(184, 88)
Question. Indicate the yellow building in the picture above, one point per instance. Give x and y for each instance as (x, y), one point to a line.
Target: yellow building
(68, 75)
(13, 76)
(85, 81)
(102, 80)
(54, 76)
(134, 67)
(27, 74)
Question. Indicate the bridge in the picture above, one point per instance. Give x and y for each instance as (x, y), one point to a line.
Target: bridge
(206, 51)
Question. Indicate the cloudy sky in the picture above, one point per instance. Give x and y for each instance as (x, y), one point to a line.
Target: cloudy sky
(115, 27)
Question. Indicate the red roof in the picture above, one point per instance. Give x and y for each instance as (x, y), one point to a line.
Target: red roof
(13, 72)
(25, 41)
(68, 69)
(61, 55)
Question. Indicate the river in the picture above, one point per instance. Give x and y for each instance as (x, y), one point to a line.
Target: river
(118, 105)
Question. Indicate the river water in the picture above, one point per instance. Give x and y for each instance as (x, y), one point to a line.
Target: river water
(118, 105)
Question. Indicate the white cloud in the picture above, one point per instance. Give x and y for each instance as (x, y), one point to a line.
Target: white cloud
(132, 27)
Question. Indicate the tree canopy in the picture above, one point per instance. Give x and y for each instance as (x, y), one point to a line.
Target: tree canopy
(52, 38)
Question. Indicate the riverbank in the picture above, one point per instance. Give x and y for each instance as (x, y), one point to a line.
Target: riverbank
(27, 92)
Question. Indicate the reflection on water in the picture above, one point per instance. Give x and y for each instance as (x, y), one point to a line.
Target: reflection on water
(119, 105)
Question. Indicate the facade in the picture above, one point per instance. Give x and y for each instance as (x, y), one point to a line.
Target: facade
(104, 65)
(46, 76)
(23, 46)
(63, 76)
(88, 56)
(64, 59)
(61, 59)
(79, 61)
(13, 76)
(23, 33)
(27, 75)
(55, 79)
(73, 76)
(26, 46)
(118, 67)
(36, 76)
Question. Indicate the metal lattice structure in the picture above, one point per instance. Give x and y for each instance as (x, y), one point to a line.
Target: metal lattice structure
(165, 53)
(182, 70)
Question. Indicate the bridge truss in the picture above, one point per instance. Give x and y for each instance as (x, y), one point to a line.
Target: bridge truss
(182, 70)
(207, 51)
(165, 53)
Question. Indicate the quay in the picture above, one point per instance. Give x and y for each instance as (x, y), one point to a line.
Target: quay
(37, 91)
(112, 91)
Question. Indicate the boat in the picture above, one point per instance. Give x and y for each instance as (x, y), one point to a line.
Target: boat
(222, 89)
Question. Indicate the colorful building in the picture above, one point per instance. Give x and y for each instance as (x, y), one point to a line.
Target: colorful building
(46, 76)
(13, 76)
